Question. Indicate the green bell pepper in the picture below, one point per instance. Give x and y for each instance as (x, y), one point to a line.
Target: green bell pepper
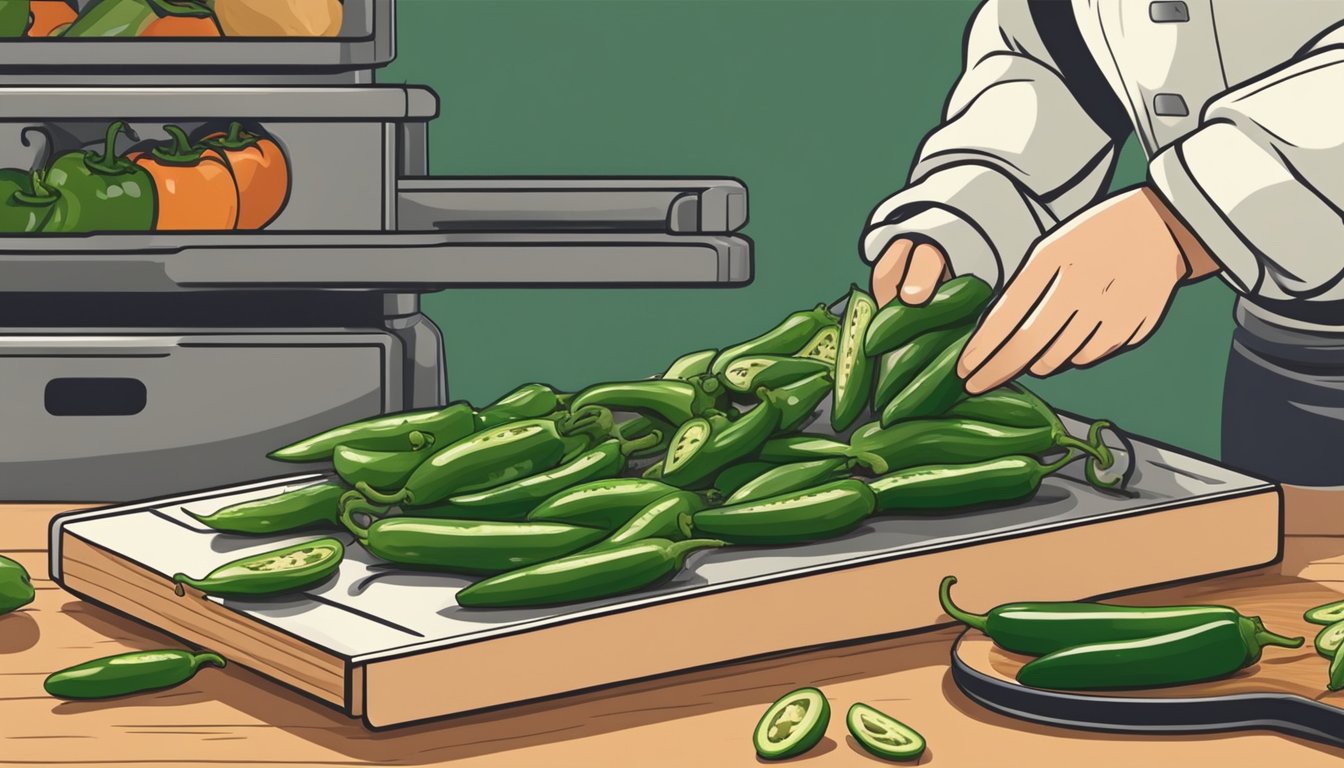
(26, 204)
(101, 192)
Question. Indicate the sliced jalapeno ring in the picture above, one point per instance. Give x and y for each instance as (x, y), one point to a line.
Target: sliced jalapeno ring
(268, 573)
(792, 725)
(882, 735)
(1327, 614)
(1329, 639)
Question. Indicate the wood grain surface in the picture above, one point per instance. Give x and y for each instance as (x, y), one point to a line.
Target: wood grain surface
(232, 717)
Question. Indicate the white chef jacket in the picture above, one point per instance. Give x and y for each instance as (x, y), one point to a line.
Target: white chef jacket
(1238, 104)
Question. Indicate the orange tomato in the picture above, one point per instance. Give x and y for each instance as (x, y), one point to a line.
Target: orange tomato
(195, 189)
(183, 26)
(261, 170)
(48, 15)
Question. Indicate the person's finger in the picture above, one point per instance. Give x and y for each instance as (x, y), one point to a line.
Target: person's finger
(1025, 343)
(889, 271)
(1071, 338)
(1104, 343)
(923, 274)
(1027, 290)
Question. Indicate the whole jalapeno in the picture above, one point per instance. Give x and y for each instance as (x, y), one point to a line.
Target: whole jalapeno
(954, 441)
(16, 586)
(822, 512)
(786, 338)
(515, 500)
(667, 518)
(411, 430)
(899, 367)
(797, 402)
(585, 576)
(282, 570)
(749, 373)
(605, 504)
(691, 365)
(853, 367)
(309, 507)
(787, 478)
(1011, 405)
(530, 401)
(943, 487)
(128, 673)
(702, 446)
(794, 448)
(957, 302)
(675, 402)
(469, 546)
(384, 470)
(734, 477)
(933, 390)
(823, 346)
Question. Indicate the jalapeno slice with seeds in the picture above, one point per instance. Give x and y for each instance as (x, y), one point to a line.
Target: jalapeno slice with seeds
(1329, 640)
(882, 735)
(269, 573)
(792, 725)
(1326, 614)
(823, 346)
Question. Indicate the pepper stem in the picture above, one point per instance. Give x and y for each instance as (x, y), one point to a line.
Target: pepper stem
(972, 620)
(41, 194)
(400, 497)
(181, 578)
(1264, 637)
(201, 659)
(181, 152)
(644, 443)
(681, 549)
(360, 532)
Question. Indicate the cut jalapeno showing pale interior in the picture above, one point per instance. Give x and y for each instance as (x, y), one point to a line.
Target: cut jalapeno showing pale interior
(792, 725)
(823, 346)
(1329, 639)
(1327, 614)
(883, 735)
(689, 440)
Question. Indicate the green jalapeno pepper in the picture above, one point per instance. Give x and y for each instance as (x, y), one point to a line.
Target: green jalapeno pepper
(933, 390)
(787, 478)
(957, 302)
(16, 586)
(792, 725)
(883, 735)
(469, 546)
(1011, 405)
(585, 576)
(1036, 629)
(530, 401)
(128, 673)
(899, 367)
(653, 472)
(1337, 671)
(282, 570)
(821, 512)
(853, 367)
(667, 518)
(734, 477)
(823, 346)
(942, 487)
(691, 365)
(515, 500)
(384, 470)
(1204, 652)
(1327, 614)
(605, 504)
(26, 203)
(100, 192)
(411, 430)
(1329, 639)
(749, 373)
(954, 441)
(484, 460)
(788, 337)
(310, 507)
(786, 450)
(702, 446)
(675, 402)
(797, 402)
(129, 18)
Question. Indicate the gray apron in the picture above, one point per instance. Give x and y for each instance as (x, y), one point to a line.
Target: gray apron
(1283, 400)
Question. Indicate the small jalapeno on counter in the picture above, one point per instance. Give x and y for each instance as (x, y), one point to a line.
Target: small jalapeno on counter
(943, 487)
(16, 586)
(787, 478)
(672, 401)
(933, 390)
(795, 331)
(592, 575)
(955, 441)
(897, 368)
(269, 573)
(313, 506)
(701, 447)
(797, 402)
(749, 373)
(1206, 651)
(667, 518)
(818, 513)
(605, 504)
(883, 735)
(853, 366)
(792, 725)
(957, 302)
(411, 430)
(530, 401)
(691, 365)
(727, 482)
(384, 470)
(128, 673)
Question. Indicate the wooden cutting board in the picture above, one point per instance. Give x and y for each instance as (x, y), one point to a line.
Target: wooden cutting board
(393, 647)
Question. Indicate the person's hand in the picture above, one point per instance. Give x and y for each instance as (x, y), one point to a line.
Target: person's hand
(1096, 285)
(909, 270)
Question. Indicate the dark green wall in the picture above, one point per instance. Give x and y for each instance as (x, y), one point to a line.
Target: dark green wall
(817, 105)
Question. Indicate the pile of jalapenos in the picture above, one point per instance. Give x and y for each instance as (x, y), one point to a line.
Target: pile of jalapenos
(548, 497)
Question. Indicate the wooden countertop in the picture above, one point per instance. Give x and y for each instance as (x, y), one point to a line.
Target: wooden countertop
(233, 717)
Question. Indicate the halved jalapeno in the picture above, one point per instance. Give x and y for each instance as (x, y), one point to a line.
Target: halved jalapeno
(792, 725)
(883, 735)
(1326, 614)
(1329, 639)
(268, 573)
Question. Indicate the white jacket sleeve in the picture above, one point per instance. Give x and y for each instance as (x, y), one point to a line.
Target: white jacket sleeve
(1261, 181)
(1016, 154)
